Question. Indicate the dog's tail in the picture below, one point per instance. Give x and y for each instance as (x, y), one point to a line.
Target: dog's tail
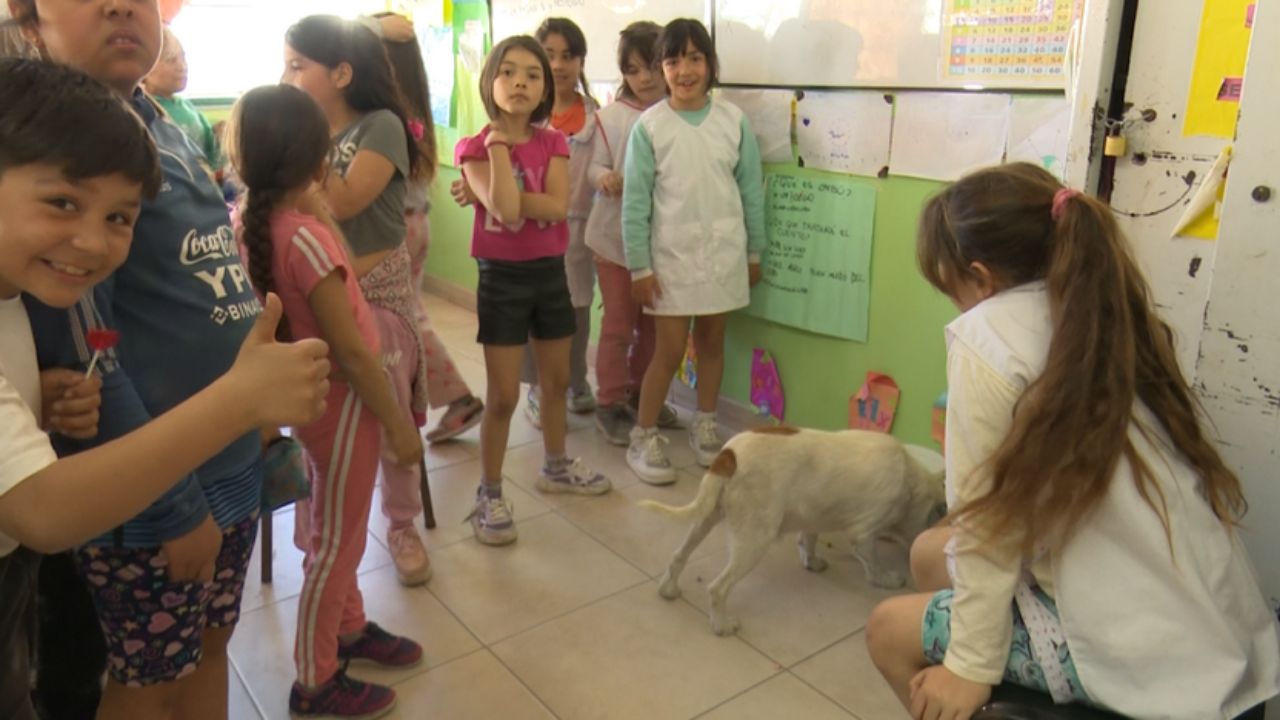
(722, 468)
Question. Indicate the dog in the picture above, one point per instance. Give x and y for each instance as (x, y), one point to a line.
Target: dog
(780, 479)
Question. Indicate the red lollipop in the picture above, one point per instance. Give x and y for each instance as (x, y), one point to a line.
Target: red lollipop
(101, 340)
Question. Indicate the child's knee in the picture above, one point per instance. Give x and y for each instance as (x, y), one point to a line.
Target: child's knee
(894, 630)
(501, 402)
(929, 560)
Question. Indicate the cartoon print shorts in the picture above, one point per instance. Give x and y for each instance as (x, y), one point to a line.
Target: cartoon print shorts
(1022, 668)
(153, 626)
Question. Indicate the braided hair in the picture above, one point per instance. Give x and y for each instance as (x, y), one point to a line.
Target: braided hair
(278, 140)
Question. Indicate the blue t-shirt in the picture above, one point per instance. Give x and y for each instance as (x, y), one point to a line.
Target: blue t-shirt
(182, 303)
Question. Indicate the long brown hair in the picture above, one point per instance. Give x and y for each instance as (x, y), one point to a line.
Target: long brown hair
(411, 76)
(638, 38)
(577, 42)
(278, 140)
(493, 63)
(331, 41)
(1071, 426)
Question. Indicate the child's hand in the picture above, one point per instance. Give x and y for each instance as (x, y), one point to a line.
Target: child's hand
(293, 376)
(396, 28)
(193, 556)
(404, 443)
(936, 692)
(754, 273)
(70, 402)
(461, 191)
(495, 137)
(646, 290)
(611, 184)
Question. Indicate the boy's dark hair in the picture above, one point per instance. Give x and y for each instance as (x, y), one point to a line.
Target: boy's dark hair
(573, 37)
(675, 39)
(638, 38)
(411, 76)
(490, 73)
(331, 41)
(278, 140)
(60, 116)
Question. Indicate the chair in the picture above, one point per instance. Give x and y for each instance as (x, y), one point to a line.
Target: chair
(1010, 702)
(428, 517)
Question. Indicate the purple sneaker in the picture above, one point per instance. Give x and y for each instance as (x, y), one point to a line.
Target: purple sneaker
(382, 648)
(342, 697)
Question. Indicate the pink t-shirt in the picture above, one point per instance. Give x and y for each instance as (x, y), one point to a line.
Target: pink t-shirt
(527, 239)
(304, 252)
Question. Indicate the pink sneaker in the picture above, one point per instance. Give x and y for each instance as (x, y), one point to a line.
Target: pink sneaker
(413, 566)
(342, 697)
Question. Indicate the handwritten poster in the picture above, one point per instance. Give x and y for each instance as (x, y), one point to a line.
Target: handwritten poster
(844, 131)
(818, 259)
(986, 40)
(769, 113)
(1217, 77)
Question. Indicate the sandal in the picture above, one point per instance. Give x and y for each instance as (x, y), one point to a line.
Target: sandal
(454, 423)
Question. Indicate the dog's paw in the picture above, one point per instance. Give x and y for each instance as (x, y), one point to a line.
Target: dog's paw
(669, 590)
(889, 579)
(815, 564)
(725, 626)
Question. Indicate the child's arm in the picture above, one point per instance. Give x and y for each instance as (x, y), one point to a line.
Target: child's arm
(600, 172)
(366, 178)
(979, 414)
(81, 496)
(383, 150)
(552, 205)
(750, 176)
(361, 367)
(493, 180)
(637, 202)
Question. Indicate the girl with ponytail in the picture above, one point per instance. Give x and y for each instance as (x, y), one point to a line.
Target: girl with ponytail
(279, 143)
(1092, 550)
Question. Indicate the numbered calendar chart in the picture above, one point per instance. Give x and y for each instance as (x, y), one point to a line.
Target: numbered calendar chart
(991, 40)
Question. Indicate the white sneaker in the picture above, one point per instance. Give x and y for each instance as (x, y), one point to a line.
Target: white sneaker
(704, 439)
(491, 519)
(646, 458)
(575, 477)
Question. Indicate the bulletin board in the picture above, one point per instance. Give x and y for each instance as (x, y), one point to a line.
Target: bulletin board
(1002, 44)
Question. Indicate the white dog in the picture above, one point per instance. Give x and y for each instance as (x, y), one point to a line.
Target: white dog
(775, 480)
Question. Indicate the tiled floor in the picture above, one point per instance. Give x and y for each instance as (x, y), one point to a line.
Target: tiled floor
(567, 623)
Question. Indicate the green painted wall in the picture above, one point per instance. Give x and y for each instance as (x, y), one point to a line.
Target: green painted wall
(819, 373)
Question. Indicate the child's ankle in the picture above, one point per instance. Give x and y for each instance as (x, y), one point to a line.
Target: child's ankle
(491, 488)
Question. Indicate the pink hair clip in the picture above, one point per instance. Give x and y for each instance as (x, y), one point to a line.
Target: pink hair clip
(1060, 199)
(416, 129)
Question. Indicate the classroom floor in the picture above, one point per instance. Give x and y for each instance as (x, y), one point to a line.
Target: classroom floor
(567, 622)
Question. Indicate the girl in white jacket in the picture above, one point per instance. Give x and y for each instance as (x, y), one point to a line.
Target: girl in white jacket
(1093, 549)
(626, 333)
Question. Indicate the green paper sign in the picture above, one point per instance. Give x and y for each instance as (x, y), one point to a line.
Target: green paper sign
(818, 261)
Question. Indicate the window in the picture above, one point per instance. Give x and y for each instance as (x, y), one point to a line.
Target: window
(235, 45)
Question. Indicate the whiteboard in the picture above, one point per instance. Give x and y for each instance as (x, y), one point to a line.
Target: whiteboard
(1004, 44)
(600, 20)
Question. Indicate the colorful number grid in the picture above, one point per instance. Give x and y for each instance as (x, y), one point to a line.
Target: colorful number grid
(1006, 39)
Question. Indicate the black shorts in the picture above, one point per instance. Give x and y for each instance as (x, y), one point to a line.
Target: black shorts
(519, 300)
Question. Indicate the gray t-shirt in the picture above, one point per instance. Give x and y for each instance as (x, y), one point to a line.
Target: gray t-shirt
(381, 225)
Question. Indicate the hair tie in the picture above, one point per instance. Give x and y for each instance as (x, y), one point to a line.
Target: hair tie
(1060, 199)
(416, 129)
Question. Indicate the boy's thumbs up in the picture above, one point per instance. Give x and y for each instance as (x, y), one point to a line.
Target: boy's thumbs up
(264, 328)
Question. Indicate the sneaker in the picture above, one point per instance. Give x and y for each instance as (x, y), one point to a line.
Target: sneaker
(381, 648)
(667, 417)
(457, 420)
(646, 458)
(704, 439)
(342, 697)
(574, 477)
(533, 407)
(413, 567)
(491, 519)
(581, 401)
(615, 423)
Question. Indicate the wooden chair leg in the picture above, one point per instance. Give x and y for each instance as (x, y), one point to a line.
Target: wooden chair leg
(428, 510)
(267, 550)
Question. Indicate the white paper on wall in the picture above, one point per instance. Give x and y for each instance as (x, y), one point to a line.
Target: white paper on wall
(943, 135)
(844, 132)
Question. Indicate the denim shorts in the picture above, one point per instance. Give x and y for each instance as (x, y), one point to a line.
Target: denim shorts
(519, 300)
(153, 625)
(1021, 668)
